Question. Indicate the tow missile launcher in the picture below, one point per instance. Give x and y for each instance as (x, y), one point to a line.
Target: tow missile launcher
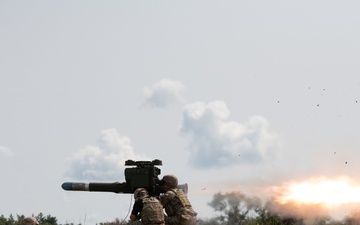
(143, 174)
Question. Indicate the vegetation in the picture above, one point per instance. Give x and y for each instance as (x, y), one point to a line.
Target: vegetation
(232, 209)
(237, 209)
(43, 220)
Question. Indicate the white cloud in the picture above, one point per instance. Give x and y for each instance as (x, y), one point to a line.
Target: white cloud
(164, 93)
(104, 161)
(217, 141)
(6, 151)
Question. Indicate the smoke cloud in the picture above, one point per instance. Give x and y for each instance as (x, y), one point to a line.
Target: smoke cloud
(235, 206)
(105, 160)
(234, 200)
(164, 93)
(308, 212)
(216, 141)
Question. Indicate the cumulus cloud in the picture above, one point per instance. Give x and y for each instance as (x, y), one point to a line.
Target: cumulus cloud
(164, 93)
(216, 141)
(6, 151)
(105, 160)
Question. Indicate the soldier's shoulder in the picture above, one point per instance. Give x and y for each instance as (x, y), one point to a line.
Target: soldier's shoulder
(151, 199)
(172, 193)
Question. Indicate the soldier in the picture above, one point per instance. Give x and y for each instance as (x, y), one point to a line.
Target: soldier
(177, 206)
(29, 221)
(147, 210)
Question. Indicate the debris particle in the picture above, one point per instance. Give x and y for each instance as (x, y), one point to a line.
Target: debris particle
(345, 162)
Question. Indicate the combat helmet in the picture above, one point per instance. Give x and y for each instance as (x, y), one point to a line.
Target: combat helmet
(171, 180)
(140, 193)
(29, 221)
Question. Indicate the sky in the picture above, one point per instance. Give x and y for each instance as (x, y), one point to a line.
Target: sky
(250, 96)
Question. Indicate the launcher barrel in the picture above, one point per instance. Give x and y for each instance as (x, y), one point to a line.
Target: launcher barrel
(115, 187)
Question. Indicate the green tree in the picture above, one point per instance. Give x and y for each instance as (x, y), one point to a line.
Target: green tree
(235, 208)
(19, 218)
(8, 221)
(46, 220)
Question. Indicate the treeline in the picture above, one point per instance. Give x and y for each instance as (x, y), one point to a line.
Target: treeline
(264, 218)
(15, 220)
(236, 209)
(45, 220)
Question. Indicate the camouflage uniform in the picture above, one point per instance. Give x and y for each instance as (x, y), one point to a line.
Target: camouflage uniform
(151, 210)
(136, 222)
(177, 206)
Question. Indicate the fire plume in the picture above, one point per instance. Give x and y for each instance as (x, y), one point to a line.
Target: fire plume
(323, 191)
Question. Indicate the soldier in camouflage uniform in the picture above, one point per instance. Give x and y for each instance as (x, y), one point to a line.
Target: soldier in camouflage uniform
(29, 221)
(147, 210)
(177, 206)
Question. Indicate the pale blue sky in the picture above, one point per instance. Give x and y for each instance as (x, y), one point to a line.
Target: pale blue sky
(229, 95)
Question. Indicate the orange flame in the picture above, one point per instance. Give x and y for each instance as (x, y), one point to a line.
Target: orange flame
(324, 191)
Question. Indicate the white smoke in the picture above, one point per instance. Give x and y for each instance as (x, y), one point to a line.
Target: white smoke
(217, 141)
(164, 93)
(104, 161)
